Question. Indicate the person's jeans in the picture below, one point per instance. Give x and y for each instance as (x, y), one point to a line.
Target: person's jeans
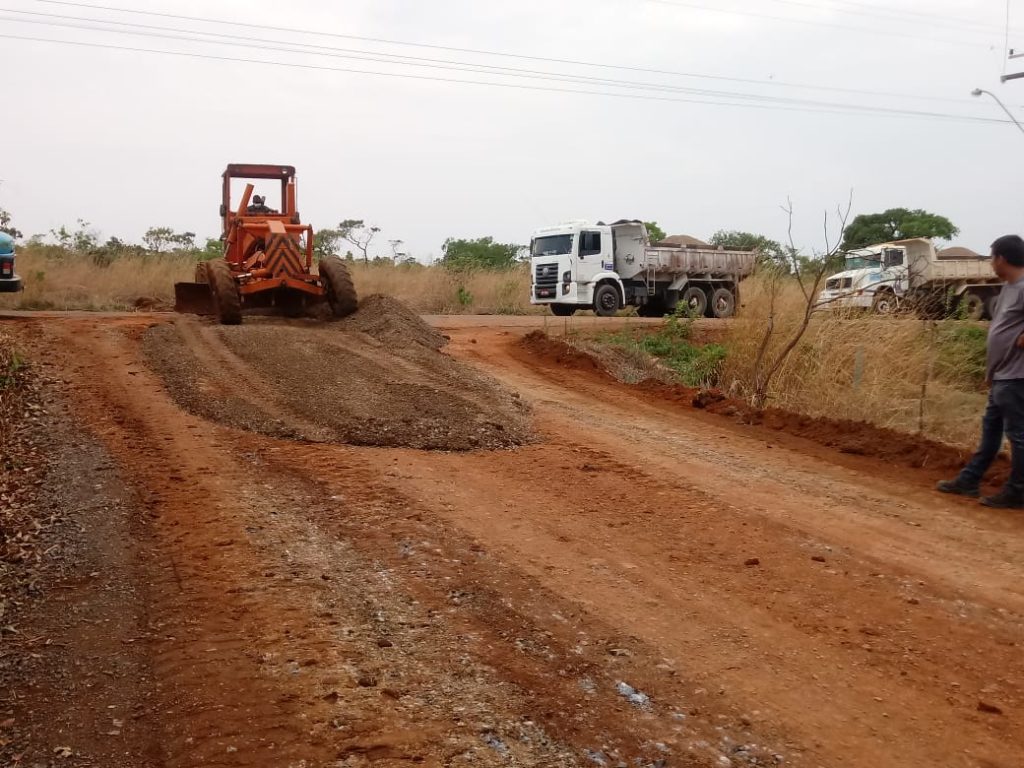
(1004, 415)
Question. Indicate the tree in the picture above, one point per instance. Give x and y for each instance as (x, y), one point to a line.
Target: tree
(325, 243)
(157, 239)
(397, 251)
(6, 226)
(770, 250)
(482, 253)
(213, 248)
(896, 224)
(356, 231)
(654, 232)
(82, 239)
(809, 275)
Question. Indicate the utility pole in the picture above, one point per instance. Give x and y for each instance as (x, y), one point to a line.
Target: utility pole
(980, 91)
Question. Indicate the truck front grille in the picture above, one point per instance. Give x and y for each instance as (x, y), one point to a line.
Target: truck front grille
(545, 281)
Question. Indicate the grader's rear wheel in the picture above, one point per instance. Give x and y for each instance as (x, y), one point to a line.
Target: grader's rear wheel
(341, 293)
(226, 298)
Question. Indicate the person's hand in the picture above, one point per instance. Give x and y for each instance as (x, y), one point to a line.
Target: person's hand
(1020, 341)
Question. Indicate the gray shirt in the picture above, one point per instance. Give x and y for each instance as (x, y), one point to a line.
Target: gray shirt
(1005, 358)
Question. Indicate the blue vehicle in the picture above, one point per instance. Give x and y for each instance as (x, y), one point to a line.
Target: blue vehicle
(9, 281)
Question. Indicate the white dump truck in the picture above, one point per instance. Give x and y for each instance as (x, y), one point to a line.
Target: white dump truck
(913, 274)
(605, 267)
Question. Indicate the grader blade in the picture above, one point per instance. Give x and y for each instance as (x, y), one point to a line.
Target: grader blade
(193, 299)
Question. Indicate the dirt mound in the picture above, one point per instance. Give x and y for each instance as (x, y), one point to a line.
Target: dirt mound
(857, 438)
(327, 382)
(850, 437)
(557, 351)
(389, 320)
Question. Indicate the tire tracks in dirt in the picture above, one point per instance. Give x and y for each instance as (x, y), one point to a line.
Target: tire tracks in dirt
(387, 606)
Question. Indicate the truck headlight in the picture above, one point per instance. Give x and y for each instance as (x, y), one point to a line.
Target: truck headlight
(567, 277)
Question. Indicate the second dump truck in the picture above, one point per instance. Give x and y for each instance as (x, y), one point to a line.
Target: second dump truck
(606, 267)
(913, 274)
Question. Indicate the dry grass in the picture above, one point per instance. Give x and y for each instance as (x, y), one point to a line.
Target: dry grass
(903, 373)
(58, 280)
(435, 290)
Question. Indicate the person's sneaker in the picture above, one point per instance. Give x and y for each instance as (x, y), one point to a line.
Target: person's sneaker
(958, 488)
(1004, 500)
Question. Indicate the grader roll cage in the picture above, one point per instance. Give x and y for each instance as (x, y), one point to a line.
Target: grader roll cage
(268, 258)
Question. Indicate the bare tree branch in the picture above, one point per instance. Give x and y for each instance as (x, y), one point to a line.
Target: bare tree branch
(767, 366)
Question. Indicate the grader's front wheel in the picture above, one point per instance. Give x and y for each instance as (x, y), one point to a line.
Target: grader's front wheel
(341, 292)
(226, 298)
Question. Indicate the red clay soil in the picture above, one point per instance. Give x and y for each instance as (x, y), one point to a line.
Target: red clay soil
(850, 437)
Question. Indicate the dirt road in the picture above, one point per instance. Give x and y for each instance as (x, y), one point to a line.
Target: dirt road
(642, 584)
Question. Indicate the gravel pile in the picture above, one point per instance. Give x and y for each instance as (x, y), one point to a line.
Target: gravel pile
(392, 322)
(376, 379)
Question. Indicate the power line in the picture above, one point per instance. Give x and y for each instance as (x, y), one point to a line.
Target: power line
(823, 107)
(345, 53)
(807, 22)
(475, 51)
(481, 52)
(895, 14)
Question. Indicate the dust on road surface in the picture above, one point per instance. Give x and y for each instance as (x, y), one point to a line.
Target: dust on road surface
(643, 585)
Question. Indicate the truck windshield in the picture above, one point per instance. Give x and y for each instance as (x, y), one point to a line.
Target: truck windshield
(862, 262)
(552, 245)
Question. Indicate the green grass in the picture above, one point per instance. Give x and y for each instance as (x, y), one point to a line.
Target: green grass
(961, 352)
(671, 345)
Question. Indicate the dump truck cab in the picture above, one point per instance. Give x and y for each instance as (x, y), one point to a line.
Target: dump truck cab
(9, 280)
(873, 278)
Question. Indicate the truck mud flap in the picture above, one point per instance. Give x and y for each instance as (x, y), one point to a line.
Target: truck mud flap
(193, 299)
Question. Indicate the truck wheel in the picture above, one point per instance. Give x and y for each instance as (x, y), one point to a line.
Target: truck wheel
(884, 303)
(695, 300)
(563, 310)
(341, 293)
(227, 300)
(606, 300)
(972, 306)
(990, 306)
(723, 303)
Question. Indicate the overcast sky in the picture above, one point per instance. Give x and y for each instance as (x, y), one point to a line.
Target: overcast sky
(128, 140)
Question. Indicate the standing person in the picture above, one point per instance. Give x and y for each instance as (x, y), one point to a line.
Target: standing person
(1005, 376)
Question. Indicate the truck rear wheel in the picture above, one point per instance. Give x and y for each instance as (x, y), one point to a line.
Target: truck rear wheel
(723, 303)
(990, 306)
(563, 310)
(972, 306)
(606, 300)
(227, 300)
(695, 301)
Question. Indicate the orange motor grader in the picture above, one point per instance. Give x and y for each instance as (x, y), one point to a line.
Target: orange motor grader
(268, 258)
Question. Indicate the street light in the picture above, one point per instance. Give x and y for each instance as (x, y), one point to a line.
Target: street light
(979, 92)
